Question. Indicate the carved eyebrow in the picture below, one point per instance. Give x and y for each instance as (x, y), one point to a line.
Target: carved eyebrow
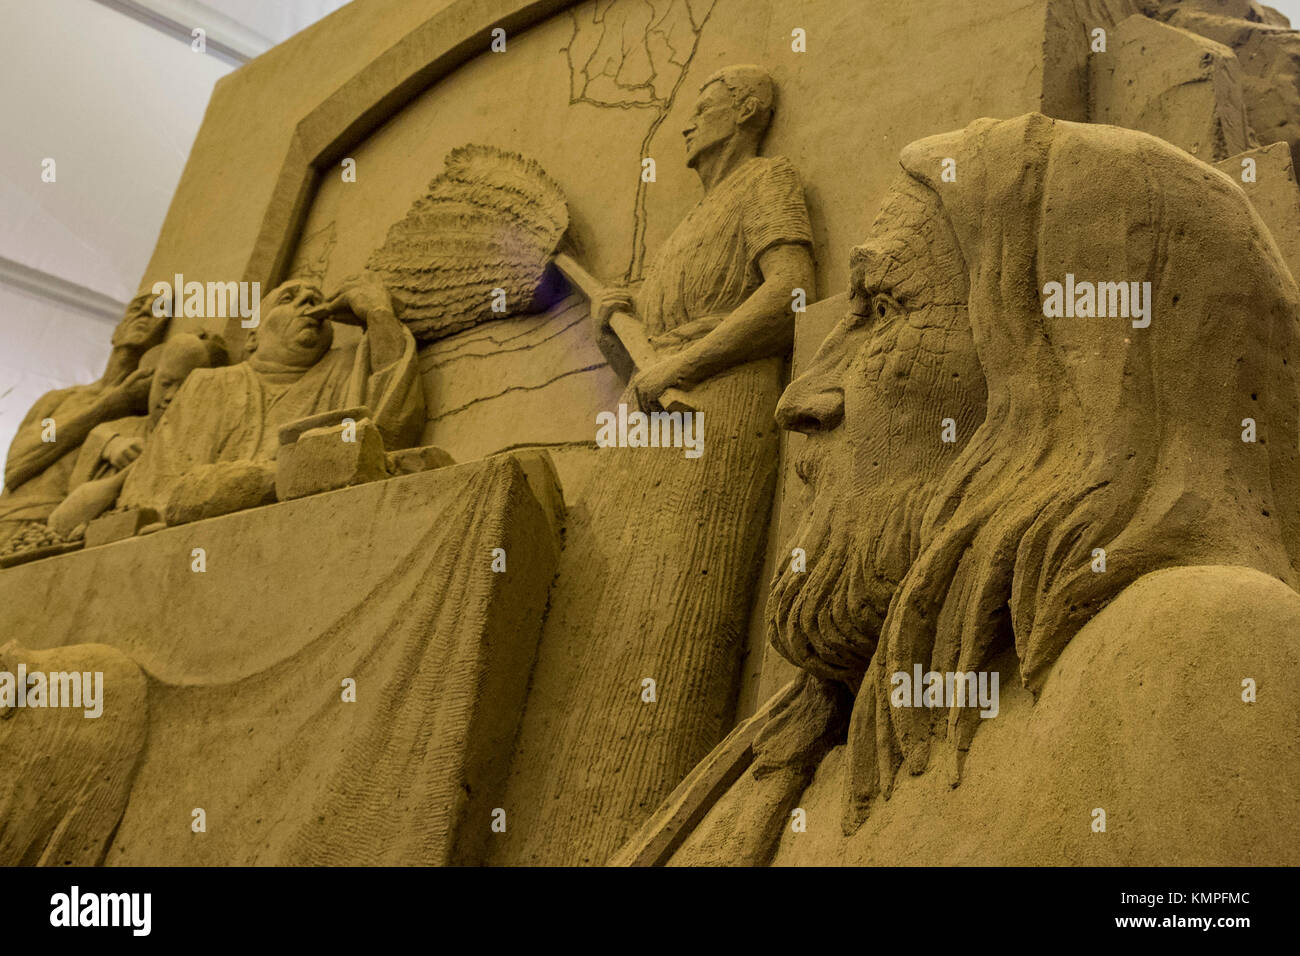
(873, 267)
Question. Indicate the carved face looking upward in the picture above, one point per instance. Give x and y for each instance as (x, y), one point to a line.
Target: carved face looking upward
(139, 327)
(288, 336)
(713, 122)
(873, 405)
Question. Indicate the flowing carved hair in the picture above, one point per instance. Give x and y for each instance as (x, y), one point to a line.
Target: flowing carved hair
(1098, 435)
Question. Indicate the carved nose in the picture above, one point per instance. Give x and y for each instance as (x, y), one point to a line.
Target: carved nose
(808, 406)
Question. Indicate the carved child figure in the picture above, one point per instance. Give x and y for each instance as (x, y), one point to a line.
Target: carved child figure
(110, 449)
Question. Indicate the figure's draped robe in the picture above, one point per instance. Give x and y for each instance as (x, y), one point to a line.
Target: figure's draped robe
(32, 501)
(658, 572)
(222, 414)
(235, 414)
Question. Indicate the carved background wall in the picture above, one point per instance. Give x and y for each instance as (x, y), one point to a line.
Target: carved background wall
(587, 89)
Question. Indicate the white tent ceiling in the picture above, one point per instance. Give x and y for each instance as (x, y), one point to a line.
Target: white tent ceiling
(111, 90)
(114, 96)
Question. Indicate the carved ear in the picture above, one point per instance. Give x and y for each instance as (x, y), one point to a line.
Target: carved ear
(746, 111)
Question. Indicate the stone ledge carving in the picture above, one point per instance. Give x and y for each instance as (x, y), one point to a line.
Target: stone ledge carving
(1174, 84)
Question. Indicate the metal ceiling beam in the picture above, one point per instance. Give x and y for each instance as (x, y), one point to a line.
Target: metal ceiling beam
(42, 285)
(225, 38)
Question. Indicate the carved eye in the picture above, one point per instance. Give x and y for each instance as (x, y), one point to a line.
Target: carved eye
(884, 306)
(872, 308)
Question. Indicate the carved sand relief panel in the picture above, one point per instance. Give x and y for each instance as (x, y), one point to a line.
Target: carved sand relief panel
(993, 483)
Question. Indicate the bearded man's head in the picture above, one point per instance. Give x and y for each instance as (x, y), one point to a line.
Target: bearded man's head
(871, 407)
(968, 456)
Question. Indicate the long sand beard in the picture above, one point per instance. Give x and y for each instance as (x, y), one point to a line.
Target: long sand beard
(826, 619)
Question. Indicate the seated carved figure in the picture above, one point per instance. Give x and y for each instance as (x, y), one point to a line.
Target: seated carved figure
(232, 415)
(109, 451)
(1114, 520)
(42, 453)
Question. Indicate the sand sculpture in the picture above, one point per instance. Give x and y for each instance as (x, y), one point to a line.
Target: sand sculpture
(109, 451)
(1268, 52)
(1021, 531)
(717, 304)
(1063, 496)
(481, 235)
(233, 416)
(39, 465)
